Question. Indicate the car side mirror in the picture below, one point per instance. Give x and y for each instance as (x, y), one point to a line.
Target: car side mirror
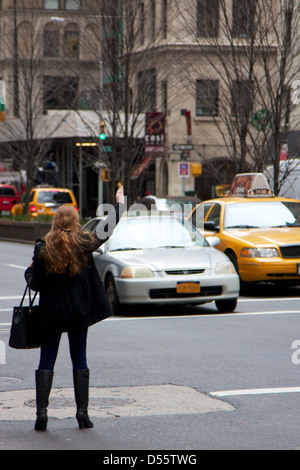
(213, 241)
(210, 227)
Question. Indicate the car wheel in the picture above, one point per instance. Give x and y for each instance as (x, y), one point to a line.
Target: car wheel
(112, 294)
(228, 305)
(233, 259)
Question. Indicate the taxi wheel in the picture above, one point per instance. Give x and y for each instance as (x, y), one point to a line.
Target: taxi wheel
(228, 305)
(233, 259)
(112, 294)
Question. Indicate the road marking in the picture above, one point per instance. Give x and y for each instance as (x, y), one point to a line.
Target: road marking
(269, 299)
(211, 315)
(255, 391)
(17, 266)
(10, 297)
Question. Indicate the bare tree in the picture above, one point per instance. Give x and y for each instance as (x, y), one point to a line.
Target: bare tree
(25, 135)
(121, 38)
(248, 58)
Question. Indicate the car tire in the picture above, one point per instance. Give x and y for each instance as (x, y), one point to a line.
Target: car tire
(112, 294)
(226, 306)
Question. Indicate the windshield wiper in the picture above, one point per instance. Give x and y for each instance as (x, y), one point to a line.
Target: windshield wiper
(287, 224)
(242, 226)
(126, 249)
(170, 246)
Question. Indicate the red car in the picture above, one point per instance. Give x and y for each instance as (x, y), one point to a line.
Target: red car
(8, 197)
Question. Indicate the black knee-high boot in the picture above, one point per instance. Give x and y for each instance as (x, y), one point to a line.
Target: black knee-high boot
(81, 389)
(43, 381)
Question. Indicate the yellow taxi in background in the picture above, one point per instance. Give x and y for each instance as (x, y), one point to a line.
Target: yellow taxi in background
(260, 233)
(45, 201)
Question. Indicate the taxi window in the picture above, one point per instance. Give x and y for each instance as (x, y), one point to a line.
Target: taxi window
(214, 215)
(262, 214)
(61, 197)
(200, 213)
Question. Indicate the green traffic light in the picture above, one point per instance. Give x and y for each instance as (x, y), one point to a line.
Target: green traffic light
(102, 136)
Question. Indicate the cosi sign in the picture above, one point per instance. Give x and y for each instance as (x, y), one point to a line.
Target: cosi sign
(155, 133)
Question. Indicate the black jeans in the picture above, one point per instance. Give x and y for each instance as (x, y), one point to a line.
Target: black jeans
(77, 345)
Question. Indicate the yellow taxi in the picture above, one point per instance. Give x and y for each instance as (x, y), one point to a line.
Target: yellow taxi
(259, 232)
(45, 201)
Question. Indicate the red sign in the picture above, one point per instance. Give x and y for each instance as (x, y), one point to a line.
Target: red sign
(155, 133)
(184, 169)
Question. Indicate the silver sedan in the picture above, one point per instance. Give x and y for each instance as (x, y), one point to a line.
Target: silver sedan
(163, 259)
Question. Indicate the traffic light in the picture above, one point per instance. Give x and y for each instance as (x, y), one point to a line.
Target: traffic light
(2, 101)
(102, 134)
(106, 174)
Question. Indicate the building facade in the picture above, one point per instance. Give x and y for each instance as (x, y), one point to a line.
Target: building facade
(68, 65)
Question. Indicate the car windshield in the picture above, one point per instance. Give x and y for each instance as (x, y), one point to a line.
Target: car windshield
(139, 233)
(262, 214)
(61, 197)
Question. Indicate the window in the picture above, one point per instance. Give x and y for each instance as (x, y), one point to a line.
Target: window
(214, 215)
(207, 18)
(73, 4)
(147, 90)
(207, 95)
(153, 25)
(243, 14)
(51, 41)
(51, 4)
(71, 41)
(164, 18)
(241, 98)
(142, 23)
(60, 92)
(89, 99)
(164, 91)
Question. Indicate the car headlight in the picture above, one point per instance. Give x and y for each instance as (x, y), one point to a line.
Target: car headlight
(259, 252)
(226, 267)
(136, 272)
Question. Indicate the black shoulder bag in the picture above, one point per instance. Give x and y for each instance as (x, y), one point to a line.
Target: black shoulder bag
(25, 329)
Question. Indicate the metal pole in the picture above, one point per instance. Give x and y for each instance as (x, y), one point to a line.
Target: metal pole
(80, 181)
(100, 180)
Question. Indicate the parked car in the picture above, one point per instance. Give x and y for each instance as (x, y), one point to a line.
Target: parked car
(45, 201)
(259, 232)
(9, 196)
(163, 259)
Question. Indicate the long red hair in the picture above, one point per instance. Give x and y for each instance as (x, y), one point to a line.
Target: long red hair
(64, 250)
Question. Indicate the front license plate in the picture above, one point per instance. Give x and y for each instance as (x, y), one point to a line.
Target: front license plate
(298, 269)
(188, 287)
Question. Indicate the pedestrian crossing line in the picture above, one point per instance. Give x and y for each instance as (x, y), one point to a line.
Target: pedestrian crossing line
(255, 391)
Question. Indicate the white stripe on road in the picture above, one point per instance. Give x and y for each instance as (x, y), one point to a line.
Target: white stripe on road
(255, 391)
(211, 314)
(17, 266)
(10, 297)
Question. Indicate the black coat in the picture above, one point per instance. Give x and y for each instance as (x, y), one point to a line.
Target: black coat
(71, 302)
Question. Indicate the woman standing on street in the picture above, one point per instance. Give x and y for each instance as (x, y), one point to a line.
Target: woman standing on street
(72, 298)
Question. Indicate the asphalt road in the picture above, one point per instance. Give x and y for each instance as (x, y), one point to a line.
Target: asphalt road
(176, 379)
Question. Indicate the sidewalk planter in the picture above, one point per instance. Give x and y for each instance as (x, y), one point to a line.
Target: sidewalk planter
(23, 231)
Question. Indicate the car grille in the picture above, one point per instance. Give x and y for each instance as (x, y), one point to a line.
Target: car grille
(180, 272)
(290, 251)
(170, 293)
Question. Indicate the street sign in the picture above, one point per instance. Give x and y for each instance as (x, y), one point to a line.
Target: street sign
(183, 169)
(182, 147)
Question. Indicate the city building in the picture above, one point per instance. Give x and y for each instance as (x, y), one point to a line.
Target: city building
(173, 82)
